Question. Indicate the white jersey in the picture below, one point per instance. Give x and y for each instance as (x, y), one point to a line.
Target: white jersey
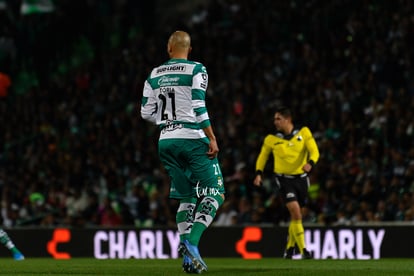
(174, 99)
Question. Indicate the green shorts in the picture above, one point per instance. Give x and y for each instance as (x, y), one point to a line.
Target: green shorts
(192, 173)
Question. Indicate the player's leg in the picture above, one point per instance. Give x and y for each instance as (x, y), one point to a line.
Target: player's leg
(184, 220)
(290, 244)
(209, 189)
(182, 190)
(185, 217)
(284, 187)
(297, 231)
(299, 234)
(294, 206)
(8, 243)
(204, 216)
(303, 186)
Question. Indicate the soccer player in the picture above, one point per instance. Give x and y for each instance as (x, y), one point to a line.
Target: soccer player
(8, 243)
(174, 99)
(295, 153)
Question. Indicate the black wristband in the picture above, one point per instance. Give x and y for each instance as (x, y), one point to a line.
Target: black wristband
(311, 162)
(259, 172)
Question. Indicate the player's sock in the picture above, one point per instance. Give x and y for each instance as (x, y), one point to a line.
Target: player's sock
(291, 238)
(185, 217)
(206, 211)
(7, 242)
(298, 234)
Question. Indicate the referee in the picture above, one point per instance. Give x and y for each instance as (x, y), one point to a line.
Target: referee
(295, 153)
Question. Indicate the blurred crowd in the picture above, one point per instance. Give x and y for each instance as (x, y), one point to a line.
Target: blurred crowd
(74, 151)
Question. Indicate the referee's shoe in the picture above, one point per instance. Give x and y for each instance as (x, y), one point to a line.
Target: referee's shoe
(289, 252)
(306, 255)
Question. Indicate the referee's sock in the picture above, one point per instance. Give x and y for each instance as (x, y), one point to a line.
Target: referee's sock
(298, 234)
(291, 238)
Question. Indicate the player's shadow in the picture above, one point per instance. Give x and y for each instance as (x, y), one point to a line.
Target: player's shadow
(243, 271)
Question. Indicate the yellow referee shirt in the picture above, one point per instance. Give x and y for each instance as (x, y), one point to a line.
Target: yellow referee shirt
(290, 152)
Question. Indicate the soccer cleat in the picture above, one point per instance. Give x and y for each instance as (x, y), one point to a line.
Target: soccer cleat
(191, 251)
(306, 255)
(289, 253)
(188, 266)
(18, 256)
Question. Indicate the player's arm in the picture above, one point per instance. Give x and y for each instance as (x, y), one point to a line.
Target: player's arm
(261, 161)
(149, 106)
(312, 148)
(213, 147)
(198, 96)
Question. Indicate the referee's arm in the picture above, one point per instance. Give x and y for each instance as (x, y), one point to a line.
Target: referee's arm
(313, 150)
(261, 162)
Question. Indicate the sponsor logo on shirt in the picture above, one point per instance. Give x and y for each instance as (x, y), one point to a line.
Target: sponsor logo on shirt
(171, 68)
(171, 127)
(204, 83)
(166, 80)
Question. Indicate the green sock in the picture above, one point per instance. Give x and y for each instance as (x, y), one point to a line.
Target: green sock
(185, 217)
(6, 241)
(206, 211)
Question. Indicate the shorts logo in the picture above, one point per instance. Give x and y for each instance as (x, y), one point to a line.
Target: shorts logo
(290, 195)
(219, 181)
(206, 191)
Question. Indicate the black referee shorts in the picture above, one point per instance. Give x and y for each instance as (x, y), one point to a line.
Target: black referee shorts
(293, 188)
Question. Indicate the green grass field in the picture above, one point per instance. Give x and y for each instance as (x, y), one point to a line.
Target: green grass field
(225, 266)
